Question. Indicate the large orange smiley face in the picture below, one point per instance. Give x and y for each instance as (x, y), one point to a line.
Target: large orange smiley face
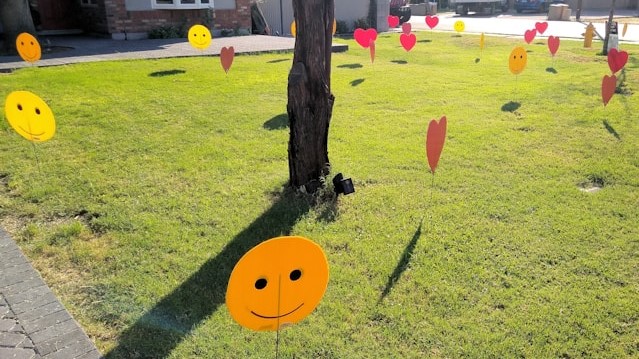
(517, 61)
(28, 47)
(278, 282)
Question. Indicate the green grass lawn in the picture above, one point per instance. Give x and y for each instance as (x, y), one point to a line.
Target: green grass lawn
(164, 172)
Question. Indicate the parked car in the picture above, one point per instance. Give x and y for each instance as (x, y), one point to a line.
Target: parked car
(400, 9)
(535, 5)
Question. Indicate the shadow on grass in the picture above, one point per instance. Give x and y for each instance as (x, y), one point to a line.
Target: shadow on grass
(611, 129)
(277, 60)
(402, 265)
(166, 73)
(278, 122)
(552, 70)
(350, 66)
(162, 328)
(357, 82)
(511, 106)
(399, 62)
(427, 40)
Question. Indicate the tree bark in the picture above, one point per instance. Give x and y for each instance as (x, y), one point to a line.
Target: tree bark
(310, 102)
(16, 18)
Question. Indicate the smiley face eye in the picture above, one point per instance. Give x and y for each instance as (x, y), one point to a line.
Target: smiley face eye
(31, 43)
(19, 107)
(260, 284)
(37, 111)
(295, 275)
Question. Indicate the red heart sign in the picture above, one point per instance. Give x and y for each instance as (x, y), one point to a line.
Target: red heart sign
(435, 138)
(365, 37)
(553, 44)
(393, 21)
(541, 27)
(406, 28)
(408, 41)
(608, 87)
(617, 60)
(529, 35)
(432, 21)
(372, 50)
(226, 57)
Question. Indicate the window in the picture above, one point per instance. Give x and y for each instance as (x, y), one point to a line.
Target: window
(180, 4)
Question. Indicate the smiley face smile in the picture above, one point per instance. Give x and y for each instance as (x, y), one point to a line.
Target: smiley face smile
(277, 316)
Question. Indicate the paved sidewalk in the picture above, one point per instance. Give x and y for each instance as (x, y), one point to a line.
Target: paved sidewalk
(33, 323)
(75, 49)
(512, 24)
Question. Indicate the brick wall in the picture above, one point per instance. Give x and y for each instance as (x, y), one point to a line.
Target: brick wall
(112, 17)
(231, 19)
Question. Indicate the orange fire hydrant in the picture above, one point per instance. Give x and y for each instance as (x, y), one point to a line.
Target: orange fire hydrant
(588, 35)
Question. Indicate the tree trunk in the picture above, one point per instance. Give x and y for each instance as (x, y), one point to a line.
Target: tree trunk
(608, 24)
(15, 17)
(310, 102)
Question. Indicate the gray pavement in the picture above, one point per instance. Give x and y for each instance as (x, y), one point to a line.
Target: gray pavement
(33, 323)
(75, 49)
(513, 24)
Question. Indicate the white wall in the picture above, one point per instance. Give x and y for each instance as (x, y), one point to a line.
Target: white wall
(602, 4)
(345, 10)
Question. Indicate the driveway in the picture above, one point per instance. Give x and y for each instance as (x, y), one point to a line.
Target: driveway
(512, 24)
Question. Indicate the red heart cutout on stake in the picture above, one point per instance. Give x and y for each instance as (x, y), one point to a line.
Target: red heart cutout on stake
(553, 44)
(393, 21)
(432, 21)
(617, 60)
(226, 57)
(608, 87)
(529, 35)
(435, 138)
(406, 28)
(541, 27)
(365, 37)
(407, 41)
(372, 50)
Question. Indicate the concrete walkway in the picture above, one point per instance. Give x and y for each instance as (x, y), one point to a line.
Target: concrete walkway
(75, 49)
(33, 323)
(513, 24)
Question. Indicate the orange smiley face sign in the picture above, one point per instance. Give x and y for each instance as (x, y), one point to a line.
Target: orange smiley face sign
(28, 47)
(278, 282)
(517, 60)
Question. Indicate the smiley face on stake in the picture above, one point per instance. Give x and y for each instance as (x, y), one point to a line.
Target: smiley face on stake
(278, 282)
(30, 116)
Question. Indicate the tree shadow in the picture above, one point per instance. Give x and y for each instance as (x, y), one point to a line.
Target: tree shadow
(510, 106)
(399, 62)
(350, 66)
(278, 122)
(167, 73)
(277, 60)
(162, 328)
(611, 129)
(551, 70)
(357, 82)
(402, 265)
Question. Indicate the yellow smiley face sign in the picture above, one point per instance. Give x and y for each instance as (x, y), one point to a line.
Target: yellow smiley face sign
(199, 37)
(29, 116)
(278, 282)
(517, 60)
(28, 47)
(459, 26)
